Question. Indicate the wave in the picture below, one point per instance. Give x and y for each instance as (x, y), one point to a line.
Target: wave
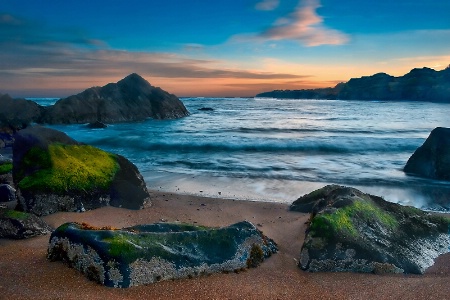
(327, 130)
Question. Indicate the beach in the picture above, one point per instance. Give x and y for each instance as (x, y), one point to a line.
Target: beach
(27, 274)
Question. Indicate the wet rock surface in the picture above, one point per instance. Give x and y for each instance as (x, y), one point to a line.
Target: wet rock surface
(357, 232)
(146, 254)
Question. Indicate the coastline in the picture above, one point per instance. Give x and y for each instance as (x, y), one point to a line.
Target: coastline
(27, 274)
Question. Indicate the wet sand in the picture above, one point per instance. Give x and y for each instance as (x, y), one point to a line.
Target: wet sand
(27, 274)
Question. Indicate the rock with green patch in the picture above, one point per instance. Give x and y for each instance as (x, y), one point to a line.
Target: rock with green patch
(146, 254)
(20, 225)
(53, 172)
(353, 231)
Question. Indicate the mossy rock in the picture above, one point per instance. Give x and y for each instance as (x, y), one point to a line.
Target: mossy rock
(5, 167)
(20, 225)
(55, 173)
(149, 253)
(353, 231)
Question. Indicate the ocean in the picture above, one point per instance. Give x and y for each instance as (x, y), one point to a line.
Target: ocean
(277, 150)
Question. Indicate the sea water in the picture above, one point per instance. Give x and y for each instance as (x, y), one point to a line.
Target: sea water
(278, 150)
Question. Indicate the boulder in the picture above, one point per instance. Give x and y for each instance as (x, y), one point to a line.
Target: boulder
(432, 159)
(20, 225)
(130, 99)
(146, 254)
(97, 125)
(357, 232)
(7, 193)
(52, 172)
(206, 109)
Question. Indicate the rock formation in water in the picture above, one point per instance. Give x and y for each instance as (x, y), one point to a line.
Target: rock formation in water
(130, 99)
(146, 254)
(19, 225)
(432, 159)
(357, 232)
(418, 85)
(52, 172)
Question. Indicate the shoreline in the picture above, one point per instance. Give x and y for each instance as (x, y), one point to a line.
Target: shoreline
(27, 274)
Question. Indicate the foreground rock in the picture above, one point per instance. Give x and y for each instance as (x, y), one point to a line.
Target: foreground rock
(7, 193)
(130, 99)
(19, 225)
(357, 232)
(53, 172)
(149, 253)
(432, 159)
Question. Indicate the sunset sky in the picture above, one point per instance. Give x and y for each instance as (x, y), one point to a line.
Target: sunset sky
(215, 48)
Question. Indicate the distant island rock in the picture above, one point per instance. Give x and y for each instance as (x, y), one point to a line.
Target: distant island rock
(418, 85)
(130, 99)
(52, 172)
(149, 253)
(352, 231)
(432, 159)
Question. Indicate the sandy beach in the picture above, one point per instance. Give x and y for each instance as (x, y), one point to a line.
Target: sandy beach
(27, 274)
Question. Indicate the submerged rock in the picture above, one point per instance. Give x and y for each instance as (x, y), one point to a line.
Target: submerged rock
(97, 125)
(130, 99)
(432, 159)
(353, 231)
(53, 172)
(149, 253)
(19, 225)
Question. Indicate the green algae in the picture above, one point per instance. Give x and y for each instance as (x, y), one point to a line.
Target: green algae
(14, 214)
(68, 167)
(6, 168)
(343, 220)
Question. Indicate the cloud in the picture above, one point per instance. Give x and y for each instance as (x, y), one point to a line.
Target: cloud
(267, 4)
(305, 26)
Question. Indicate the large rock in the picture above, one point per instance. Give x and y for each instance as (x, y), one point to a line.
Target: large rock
(130, 99)
(432, 159)
(19, 225)
(148, 253)
(7, 193)
(357, 232)
(53, 172)
(16, 114)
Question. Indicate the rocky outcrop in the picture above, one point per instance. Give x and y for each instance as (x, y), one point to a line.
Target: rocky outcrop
(53, 172)
(146, 254)
(19, 225)
(97, 125)
(353, 231)
(432, 159)
(418, 85)
(130, 99)
(16, 114)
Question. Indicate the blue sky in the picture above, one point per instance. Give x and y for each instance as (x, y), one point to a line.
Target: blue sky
(215, 48)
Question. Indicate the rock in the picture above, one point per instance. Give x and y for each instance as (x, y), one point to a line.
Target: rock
(357, 232)
(19, 225)
(130, 99)
(97, 125)
(146, 254)
(432, 159)
(52, 172)
(206, 109)
(7, 193)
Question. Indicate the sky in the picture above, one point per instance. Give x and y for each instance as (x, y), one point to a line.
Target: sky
(221, 48)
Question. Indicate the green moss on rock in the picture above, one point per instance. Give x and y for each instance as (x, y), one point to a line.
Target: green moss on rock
(14, 214)
(64, 168)
(6, 168)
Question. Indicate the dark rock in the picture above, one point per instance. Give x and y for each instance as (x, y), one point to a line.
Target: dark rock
(16, 114)
(19, 225)
(353, 231)
(97, 125)
(130, 99)
(432, 159)
(418, 85)
(52, 172)
(206, 109)
(7, 193)
(149, 253)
